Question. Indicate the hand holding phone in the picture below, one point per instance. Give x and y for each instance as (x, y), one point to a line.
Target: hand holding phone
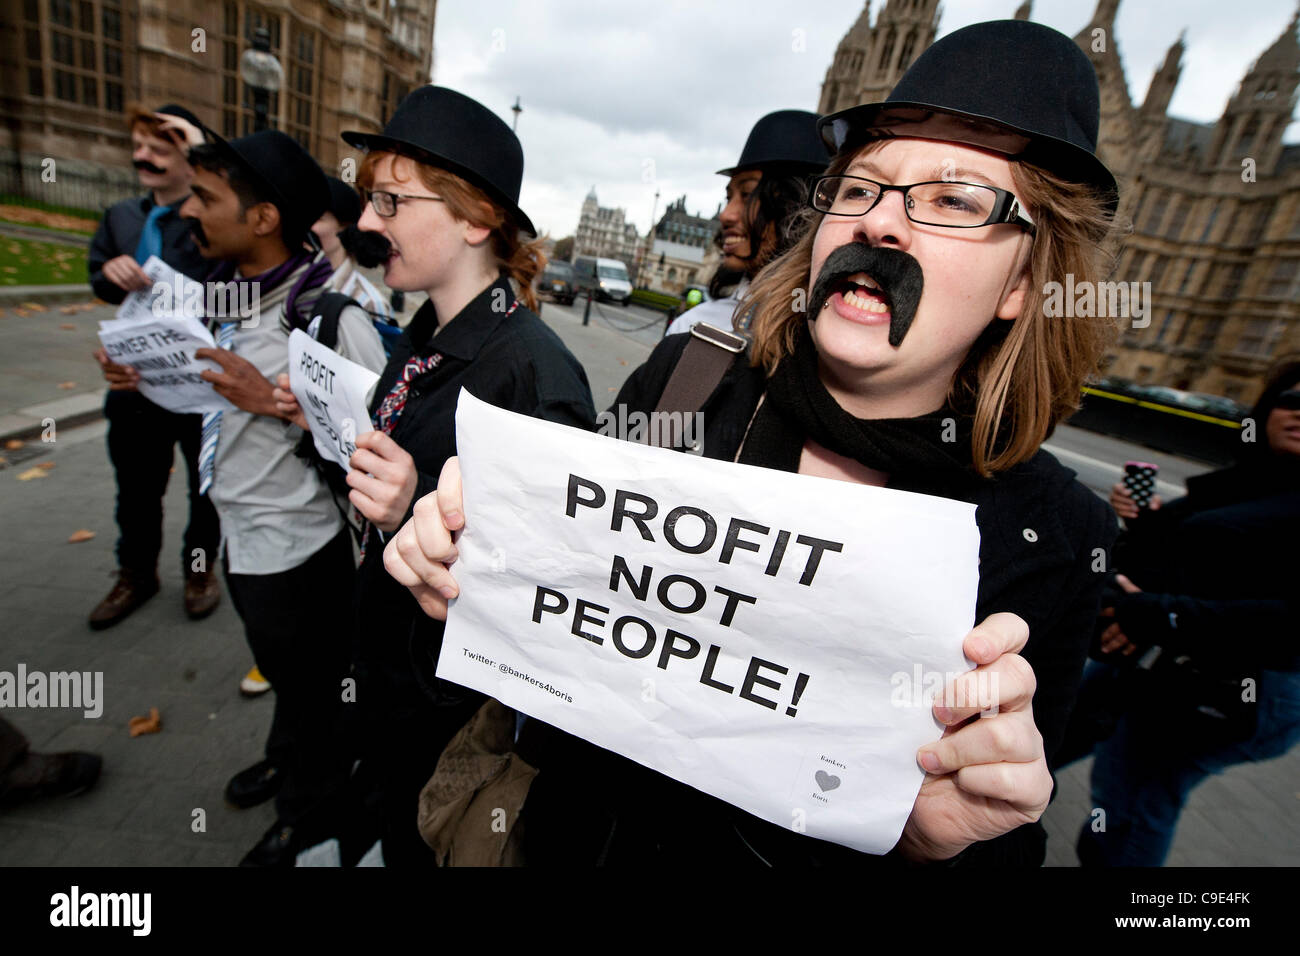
(1137, 492)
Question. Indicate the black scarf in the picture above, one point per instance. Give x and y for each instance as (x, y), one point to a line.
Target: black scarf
(912, 451)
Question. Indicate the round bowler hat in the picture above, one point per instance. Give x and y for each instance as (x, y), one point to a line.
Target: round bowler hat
(443, 128)
(171, 109)
(344, 202)
(286, 173)
(784, 138)
(1011, 86)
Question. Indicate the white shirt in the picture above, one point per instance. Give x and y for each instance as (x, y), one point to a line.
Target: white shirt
(275, 509)
(716, 312)
(348, 279)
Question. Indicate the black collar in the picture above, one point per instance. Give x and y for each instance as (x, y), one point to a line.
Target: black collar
(466, 333)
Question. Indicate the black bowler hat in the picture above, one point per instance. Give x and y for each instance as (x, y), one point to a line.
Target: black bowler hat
(1012, 86)
(786, 138)
(344, 202)
(171, 109)
(285, 172)
(443, 128)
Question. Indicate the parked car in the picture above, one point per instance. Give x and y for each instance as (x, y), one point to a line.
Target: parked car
(607, 279)
(558, 282)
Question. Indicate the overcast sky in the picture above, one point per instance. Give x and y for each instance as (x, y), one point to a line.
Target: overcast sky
(634, 96)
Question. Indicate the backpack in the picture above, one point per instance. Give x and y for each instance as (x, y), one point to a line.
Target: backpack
(330, 306)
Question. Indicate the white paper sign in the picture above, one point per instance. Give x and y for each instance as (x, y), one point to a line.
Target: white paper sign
(162, 350)
(332, 392)
(772, 639)
(173, 293)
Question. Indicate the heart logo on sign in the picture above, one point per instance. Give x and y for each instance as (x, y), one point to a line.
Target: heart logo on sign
(827, 781)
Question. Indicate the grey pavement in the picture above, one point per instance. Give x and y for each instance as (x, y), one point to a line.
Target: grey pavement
(143, 809)
(41, 234)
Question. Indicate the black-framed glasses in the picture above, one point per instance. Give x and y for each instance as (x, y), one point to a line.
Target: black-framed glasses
(952, 205)
(1289, 400)
(385, 203)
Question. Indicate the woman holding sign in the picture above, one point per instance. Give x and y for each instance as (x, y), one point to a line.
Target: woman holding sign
(901, 343)
(443, 184)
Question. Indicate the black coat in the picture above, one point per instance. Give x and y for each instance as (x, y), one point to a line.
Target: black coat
(514, 362)
(1045, 542)
(1217, 569)
(119, 233)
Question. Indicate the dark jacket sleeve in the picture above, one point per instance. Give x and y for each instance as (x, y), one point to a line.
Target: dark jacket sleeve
(102, 248)
(1059, 654)
(1243, 632)
(1058, 668)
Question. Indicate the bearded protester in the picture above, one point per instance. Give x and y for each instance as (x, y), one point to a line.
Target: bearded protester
(764, 214)
(287, 553)
(443, 182)
(1199, 633)
(141, 435)
(941, 218)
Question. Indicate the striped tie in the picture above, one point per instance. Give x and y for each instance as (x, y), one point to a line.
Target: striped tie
(212, 421)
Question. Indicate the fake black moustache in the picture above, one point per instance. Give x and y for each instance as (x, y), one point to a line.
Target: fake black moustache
(148, 166)
(370, 249)
(897, 273)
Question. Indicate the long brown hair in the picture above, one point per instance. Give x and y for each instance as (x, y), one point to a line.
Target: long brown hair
(1020, 378)
(521, 261)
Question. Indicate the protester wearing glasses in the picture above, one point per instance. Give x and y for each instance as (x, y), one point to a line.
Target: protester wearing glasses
(443, 184)
(923, 307)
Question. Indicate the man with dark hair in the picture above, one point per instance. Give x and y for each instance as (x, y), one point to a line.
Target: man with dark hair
(766, 195)
(141, 435)
(287, 553)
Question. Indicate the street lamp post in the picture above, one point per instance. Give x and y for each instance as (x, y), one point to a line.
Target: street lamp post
(262, 72)
(516, 109)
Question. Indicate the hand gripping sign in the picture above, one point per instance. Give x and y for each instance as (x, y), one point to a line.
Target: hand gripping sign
(161, 349)
(332, 393)
(768, 614)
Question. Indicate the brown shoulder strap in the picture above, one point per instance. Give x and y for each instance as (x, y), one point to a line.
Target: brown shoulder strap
(703, 362)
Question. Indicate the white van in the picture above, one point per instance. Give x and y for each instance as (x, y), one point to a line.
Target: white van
(606, 278)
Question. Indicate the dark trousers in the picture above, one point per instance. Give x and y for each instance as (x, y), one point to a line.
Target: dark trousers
(141, 438)
(297, 625)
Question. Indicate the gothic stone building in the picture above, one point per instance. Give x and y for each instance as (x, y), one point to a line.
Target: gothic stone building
(68, 69)
(1214, 207)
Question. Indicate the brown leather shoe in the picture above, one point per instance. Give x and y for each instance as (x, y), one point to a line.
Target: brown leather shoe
(132, 589)
(202, 593)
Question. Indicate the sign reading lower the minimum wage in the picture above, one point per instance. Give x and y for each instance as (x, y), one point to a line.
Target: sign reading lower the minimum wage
(739, 629)
(161, 348)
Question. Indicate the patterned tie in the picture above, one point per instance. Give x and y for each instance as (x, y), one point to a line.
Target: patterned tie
(212, 420)
(390, 409)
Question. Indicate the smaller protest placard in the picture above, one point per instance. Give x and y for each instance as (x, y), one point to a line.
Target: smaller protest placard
(172, 293)
(162, 350)
(333, 393)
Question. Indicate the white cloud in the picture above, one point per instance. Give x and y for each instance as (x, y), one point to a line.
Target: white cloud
(612, 90)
